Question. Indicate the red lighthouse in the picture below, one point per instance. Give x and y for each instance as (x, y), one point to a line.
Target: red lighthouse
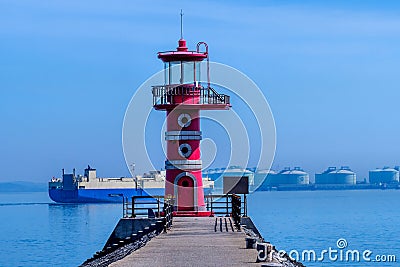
(182, 96)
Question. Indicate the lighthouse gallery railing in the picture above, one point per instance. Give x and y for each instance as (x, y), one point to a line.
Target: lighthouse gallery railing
(169, 95)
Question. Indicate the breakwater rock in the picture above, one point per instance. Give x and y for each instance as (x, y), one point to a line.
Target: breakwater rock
(108, 257)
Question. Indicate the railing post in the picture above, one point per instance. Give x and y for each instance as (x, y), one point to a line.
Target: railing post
(211, 203)
(168, 209)
(158, 207)
(133, 207)
(227, 205)
(165, 215)
(123, 207)
(236, 210)
(169, 216)
(245, 205)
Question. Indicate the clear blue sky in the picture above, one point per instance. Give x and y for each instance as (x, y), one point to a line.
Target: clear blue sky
(330, 71)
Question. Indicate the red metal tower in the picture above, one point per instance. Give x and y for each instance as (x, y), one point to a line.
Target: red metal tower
(183, 96)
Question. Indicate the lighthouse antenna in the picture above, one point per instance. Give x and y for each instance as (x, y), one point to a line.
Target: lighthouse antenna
(181, 24)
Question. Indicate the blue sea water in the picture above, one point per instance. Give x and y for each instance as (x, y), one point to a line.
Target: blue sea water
(34, 231)
(316, 220)
(38, 232)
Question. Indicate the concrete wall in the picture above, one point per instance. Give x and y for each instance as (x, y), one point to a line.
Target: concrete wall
(128, 226)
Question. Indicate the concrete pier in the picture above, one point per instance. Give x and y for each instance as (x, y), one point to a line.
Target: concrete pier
(194, 242)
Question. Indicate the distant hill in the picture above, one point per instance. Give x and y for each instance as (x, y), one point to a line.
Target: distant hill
(21, 186)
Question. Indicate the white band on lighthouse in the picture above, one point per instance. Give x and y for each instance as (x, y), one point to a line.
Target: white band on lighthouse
(182, 135)
(184, 120)
(183, 164)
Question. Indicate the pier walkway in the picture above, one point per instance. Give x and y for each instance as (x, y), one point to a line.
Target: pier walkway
(206, 241)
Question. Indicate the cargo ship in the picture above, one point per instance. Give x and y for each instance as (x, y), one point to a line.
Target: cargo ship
(88, 188)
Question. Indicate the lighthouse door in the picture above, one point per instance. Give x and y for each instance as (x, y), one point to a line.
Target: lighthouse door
(185, 193)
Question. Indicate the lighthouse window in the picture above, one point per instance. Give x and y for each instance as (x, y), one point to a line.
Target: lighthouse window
(197, 74)
(185, 183)
(174, 72)
(185, 150)
(184, 120)
(188, 72)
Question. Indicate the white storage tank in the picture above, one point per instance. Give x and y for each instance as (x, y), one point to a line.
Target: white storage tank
(262, 177)
(287, 176)
(385, 175)
(344, 175)
(236, 171)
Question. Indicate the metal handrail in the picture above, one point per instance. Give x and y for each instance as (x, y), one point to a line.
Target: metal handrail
(227, 205)
(208, 60)
(136, 204)
(164, 208)
(166, 95)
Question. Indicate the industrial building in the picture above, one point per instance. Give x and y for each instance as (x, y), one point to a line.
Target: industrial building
(332, 175)
(385, 175)
(261, 179)
(288, 179)
(287, 176)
